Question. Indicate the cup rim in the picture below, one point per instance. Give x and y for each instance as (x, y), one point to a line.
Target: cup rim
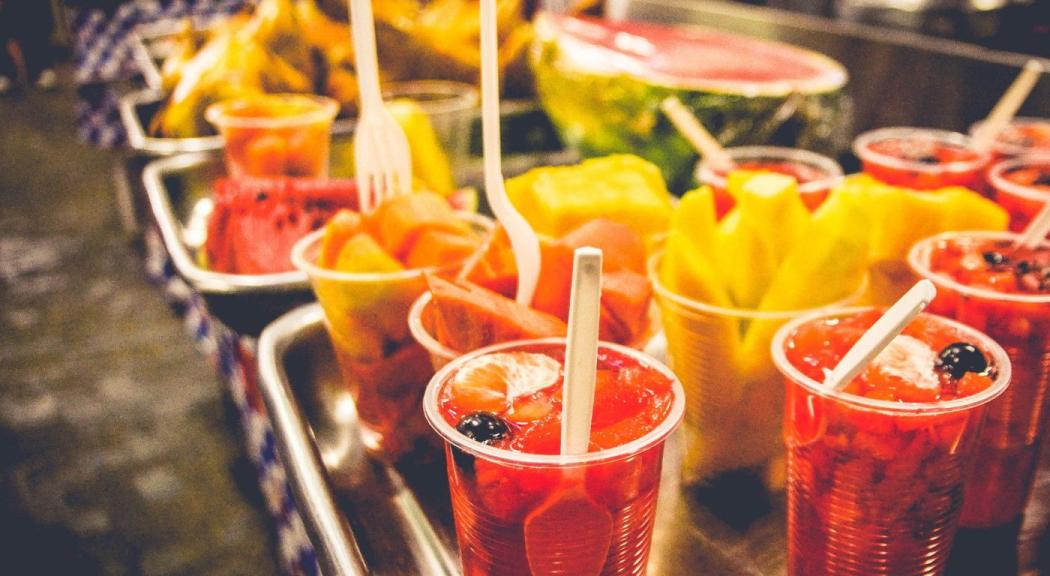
(453, 96)
(861, 148)
(739, 313)
(651, 438)
(326, 111)
(998, 181)
(1002, 363)
(919, 257)
(312, 270)
(420, 332)
(1007, 147)
(832, 169)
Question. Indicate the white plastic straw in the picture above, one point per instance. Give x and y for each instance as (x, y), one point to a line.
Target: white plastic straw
(1007, 106)
(1037, 229)
(702, 140)
(881, 333)
(523, 239)
(581, 351)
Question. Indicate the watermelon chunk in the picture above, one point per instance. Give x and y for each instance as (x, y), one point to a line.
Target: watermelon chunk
(603, 93)
(468, 316)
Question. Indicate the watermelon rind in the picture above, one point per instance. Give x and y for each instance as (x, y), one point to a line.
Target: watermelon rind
(601, 108)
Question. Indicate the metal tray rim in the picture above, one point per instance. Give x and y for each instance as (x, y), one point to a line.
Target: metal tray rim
(204, 281)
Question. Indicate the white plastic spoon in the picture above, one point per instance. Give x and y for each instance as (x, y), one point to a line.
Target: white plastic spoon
(1007, 106)
(1037, 229)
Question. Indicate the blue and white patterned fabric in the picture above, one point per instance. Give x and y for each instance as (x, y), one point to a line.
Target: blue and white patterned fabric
(234, 357)
(103, 55)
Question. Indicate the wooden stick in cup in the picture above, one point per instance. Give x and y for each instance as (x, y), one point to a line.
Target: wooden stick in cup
(696, 134)
(884, 330)
(1007, 106)
(581, 351)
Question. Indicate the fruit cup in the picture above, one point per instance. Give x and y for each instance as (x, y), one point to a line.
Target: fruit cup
(421, 325)
(520, 507)
(275, 134)
(1022, 136)
(734, 398)
(981, 281)
(384, 369)
(876, 470)
(816, 174)
(920, 158)
(1021, 186)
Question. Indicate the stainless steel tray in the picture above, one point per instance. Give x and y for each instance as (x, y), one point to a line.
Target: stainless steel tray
(364, 516)
(178, 190)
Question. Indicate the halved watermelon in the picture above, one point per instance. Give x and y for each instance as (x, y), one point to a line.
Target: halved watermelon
(601, 82)
(468, 316)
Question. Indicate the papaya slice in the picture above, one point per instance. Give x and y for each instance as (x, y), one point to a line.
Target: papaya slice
(624, 306)
(435, 247)
(494, 266)
(398, 222)
(468, 316)
(361, 253)
(622, 248)
(340, 228)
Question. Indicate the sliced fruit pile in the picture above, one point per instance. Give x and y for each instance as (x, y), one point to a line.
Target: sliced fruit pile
(478, 309)
(406, 232)
(622, 188)
(255, 222)
(996, 265)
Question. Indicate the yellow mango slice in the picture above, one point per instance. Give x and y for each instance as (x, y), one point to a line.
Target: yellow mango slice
(361, 253)
(622, 188)
(745, 261)
(430, 163)
(772, 203)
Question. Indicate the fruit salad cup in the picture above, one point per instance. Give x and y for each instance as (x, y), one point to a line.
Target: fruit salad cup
(983, 281)
(876, 470)
(734, 399)
(816, 174)
(1021, 186)
(275, 134)
(385, 370)
(1022, 136)
(421, 325)
(521, 508)
(920, 158)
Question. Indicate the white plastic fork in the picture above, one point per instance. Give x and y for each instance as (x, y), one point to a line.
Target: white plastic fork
(382, 159)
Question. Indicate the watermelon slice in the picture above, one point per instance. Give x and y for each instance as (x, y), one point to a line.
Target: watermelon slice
(469, 316)
(601, 83)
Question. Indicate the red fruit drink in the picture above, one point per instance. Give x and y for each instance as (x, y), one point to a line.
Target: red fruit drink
(816, 174)
(520, 507)
(1020, 137)
(920, 158)
(876, 470)
(1021, 186)
(983, 281)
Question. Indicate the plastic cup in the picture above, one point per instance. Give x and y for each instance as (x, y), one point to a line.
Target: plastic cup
(1022, 201)
(421, 325)
(816, 174)
(734, 398)
(920, 158)
(383, 367)
(1009, 447)
(1023, 135)
(495, 492)
(275, 134)
(450, 107)
(875, 488)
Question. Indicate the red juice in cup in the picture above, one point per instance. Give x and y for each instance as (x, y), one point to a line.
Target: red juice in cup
(1020, 137)
(876, 470)
(816, 174)
(1021, 186)
(984, 281)
(520, 507)
(920, 158)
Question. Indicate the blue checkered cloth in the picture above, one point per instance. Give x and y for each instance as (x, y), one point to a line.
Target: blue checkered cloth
(234, 357)
(103, 55)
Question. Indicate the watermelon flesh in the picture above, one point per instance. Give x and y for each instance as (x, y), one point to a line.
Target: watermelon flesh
(601, 83)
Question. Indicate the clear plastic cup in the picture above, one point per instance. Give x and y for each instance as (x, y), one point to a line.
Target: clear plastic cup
(421, 325)
(875, 488)
(920, 158)
(734, 399)
(1010, 442)
(497, 494)
(1023, 135)
(816, 174)
(383, 367)
(275, 134)
(450, 107)
(1023, 201)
